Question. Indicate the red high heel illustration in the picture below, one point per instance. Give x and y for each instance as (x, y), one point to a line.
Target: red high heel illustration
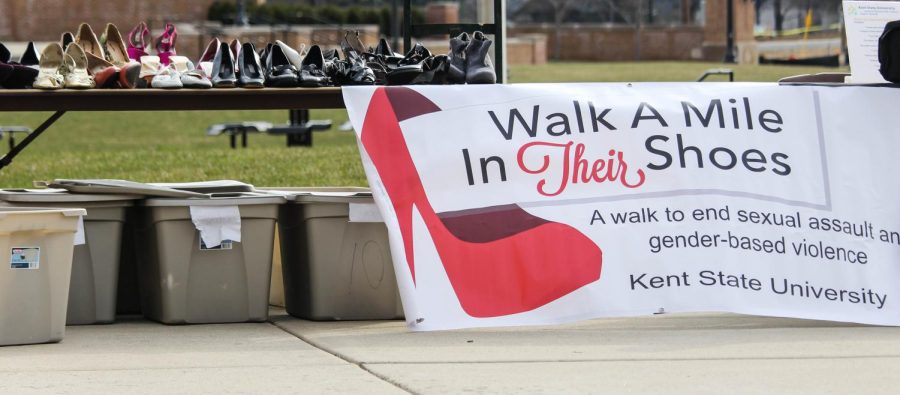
(499, 260)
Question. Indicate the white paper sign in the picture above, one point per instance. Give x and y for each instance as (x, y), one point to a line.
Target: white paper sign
(217, 223)
(544, 203)
(865, 21)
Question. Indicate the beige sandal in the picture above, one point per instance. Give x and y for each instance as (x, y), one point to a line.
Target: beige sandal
(49, 76)
(75, 72)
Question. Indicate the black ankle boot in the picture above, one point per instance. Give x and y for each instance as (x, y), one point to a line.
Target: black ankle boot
(456, 74)
(479, 69)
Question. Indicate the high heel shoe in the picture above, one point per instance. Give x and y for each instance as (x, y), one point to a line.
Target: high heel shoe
(65, 39)
(356, 71)
(209, 54)
(30, 57)
(235, 47)
(410, 67)
(4, 54)
(88, 41)
(279, 70)
(75, 72)
(137, 42)
(312, 72)
(456, 74)
(49, 76)
(250, 70)
(479, 69)
(223, 75)
(165, 44)
(105, 74)
(502, 262)
(114, 46)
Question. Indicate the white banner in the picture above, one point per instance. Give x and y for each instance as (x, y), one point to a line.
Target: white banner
(547, 203)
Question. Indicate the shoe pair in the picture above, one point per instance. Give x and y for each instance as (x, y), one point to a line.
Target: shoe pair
(287, 67)
(179, 73)
(164, 44)
(58, 69)
(357, 67)
(469, 60)
(107, 58)
(18, 75)
(234, 64)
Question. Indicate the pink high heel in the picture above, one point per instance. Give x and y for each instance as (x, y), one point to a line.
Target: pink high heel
(499, 260)
(165, 44)
(137, 41)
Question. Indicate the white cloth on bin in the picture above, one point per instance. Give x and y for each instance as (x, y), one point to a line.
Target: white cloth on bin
(217, 223)
(79, 232)
(364, 212)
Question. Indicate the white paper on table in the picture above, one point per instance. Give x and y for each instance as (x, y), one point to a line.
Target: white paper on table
(79, 231)
(865, 21)
(365, 212)
(217, 223)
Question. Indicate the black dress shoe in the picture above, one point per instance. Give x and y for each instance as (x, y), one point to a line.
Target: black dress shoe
(4, 54)
(66, 39)
(223, 75)
(279, 70)
(21, 77)
(6, 70)
(434, 71)
(312, 69)
(250, 70)
(410, 67)
(355, 71)
(479, 69)
(30, 57)
(456, 74)
(383, 50)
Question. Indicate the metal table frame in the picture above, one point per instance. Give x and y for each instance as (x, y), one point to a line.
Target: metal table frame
(61, 101)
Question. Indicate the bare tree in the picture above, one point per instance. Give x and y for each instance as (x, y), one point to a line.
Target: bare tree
(560, 8)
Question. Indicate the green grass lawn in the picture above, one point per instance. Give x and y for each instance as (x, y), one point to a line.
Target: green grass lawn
(173, 146)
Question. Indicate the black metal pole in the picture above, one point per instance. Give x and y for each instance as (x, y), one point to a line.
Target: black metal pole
(395, 25)
(407, 25)
(729, 27)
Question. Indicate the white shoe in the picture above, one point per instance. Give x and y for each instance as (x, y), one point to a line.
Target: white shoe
(190, 76)
(76, 74)
(167, 78)
(49, 76)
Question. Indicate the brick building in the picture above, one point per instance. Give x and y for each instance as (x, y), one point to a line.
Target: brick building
(45, 20)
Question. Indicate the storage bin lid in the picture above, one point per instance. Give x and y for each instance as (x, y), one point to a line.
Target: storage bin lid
(120, 187)
(217, 199)
(53, 195)
(216, 186)
(66, 212)
(321, 194)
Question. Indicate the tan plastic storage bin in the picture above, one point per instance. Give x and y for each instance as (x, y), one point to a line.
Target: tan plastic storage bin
(334, 269)
(95, 266)
(182, 283)
(36, 246)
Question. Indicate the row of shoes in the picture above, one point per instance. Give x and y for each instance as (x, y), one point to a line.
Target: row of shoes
(83, 61)
(467, 62)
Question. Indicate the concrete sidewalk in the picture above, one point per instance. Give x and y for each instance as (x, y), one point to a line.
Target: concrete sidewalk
(683, 353)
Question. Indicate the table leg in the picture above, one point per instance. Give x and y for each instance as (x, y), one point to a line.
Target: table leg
(15, 150)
